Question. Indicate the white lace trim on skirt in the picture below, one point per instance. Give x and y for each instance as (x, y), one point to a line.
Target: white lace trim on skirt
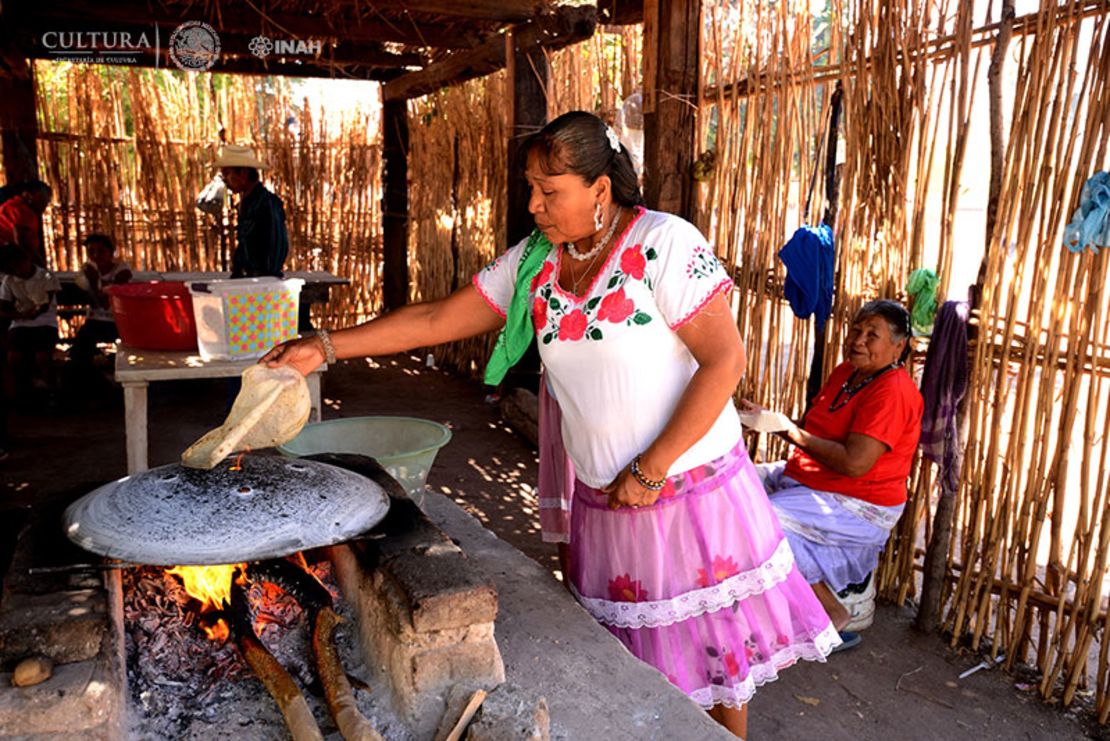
(768, 671)
(697, 602)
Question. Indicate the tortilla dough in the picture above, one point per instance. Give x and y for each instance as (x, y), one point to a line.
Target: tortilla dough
(766, 421)
(271, 408)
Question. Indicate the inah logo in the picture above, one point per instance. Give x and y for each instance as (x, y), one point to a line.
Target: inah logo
(264, 46)
(261, 46)
(194, 46)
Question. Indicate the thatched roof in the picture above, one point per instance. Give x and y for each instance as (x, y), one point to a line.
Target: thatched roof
(415, 45)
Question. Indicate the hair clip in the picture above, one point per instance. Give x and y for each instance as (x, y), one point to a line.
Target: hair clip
(614, 142)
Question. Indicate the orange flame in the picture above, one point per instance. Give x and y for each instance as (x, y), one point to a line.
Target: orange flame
(238, 464)
(211, 586)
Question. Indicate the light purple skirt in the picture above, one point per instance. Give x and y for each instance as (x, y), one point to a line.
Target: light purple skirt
(701, 585)
(835, 538)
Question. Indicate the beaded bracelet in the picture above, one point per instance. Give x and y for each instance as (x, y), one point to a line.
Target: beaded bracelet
(644, 481)
(329, 349)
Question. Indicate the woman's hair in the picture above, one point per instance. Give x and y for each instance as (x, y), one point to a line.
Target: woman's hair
(578, 143)
(896, 316)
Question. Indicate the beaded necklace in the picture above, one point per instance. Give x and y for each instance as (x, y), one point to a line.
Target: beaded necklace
(848, 390)
(572, 250)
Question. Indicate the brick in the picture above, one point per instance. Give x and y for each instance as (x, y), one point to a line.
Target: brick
(78, 698)
(66, 626)
(433, 671)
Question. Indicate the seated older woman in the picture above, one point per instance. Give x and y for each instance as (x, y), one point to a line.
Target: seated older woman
(843, 487)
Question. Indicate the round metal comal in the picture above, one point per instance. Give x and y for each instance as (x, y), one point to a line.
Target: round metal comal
(261, 507)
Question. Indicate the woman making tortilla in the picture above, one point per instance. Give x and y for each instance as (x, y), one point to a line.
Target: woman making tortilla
(674, 546)
(844, 485)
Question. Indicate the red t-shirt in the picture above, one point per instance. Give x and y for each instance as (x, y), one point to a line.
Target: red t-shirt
(889, 410)
(19, 224)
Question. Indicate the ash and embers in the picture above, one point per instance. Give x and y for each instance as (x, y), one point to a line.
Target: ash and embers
(185, 686)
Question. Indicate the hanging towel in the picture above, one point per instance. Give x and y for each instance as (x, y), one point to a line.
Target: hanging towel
(809, 257)
(517, 333)
(1089, 227)
(923, 287)
(943, 385)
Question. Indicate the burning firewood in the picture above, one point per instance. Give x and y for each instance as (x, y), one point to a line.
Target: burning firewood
(337, 690)
(294, 708)
(317, 602)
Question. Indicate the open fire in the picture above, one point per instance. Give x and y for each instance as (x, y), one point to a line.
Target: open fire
(211, 587)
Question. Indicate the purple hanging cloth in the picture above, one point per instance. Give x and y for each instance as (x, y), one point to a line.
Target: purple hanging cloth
(943, 386)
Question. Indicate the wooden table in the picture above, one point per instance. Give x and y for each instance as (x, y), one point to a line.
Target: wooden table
(136, 369)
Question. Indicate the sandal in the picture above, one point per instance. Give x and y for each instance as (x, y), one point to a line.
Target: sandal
(848, 640)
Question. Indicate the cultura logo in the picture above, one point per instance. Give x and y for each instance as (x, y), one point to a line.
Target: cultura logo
(100, 47)
(194, 46)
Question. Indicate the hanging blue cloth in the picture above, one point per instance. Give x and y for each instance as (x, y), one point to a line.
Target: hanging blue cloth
(1090, 224)
(809, 258)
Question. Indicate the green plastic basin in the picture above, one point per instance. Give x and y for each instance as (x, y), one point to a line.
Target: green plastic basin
(404, 446)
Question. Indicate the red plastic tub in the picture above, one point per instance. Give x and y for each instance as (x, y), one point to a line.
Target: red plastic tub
(154, 316)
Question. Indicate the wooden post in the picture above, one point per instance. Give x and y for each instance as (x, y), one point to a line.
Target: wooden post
(671, 66)
(18, 127)
(395, 204)
(528, 76)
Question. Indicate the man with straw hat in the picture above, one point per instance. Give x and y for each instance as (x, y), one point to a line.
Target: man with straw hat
(262, 241)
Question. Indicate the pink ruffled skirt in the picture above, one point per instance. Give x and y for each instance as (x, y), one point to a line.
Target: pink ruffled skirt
(701, 585)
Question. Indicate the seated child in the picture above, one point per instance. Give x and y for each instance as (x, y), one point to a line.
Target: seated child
(28, 296)
(102, 270)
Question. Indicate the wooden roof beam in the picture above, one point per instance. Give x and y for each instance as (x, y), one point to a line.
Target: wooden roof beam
(504, 11)
(243, 20)
(554, 30)
(233, 47)
(620, 12)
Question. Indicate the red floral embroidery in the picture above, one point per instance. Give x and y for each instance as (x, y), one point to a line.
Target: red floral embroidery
(539, 313)
(732, 666)
(723, 568)
(633, 262)
(573, 325)
(543, 275)
(616, 307)
(624, 589)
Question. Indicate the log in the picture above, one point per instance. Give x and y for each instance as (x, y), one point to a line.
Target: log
(395, 204)
(554, 30)
(353, 725)
(670, 106)
(294, 708)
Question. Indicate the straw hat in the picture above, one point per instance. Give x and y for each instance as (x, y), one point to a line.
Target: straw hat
(235, 155)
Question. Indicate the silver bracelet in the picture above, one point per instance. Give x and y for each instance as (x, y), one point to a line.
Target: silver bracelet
(329, 349)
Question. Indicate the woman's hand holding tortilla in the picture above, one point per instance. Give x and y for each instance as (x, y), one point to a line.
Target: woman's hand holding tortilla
(755, 417)
(305, 355)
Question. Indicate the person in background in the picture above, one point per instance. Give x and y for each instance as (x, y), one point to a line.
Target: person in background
(262, 242)
(101, 271)
(21, 219)
(673, 545)
(28, 296)
(843, 487)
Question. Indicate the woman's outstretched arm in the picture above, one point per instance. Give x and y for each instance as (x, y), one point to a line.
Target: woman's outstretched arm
(462, 314)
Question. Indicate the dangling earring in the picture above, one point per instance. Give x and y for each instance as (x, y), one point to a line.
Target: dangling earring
(599, 217)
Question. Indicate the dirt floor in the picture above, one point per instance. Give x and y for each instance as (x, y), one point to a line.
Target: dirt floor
(898, 684)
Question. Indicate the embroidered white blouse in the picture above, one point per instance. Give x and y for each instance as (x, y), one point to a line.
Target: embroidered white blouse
(614, 360)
